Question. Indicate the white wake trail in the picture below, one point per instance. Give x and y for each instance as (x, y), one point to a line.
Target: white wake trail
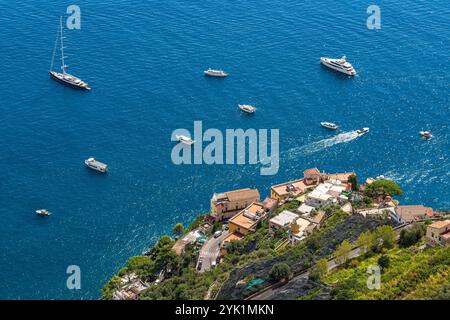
(323, 144)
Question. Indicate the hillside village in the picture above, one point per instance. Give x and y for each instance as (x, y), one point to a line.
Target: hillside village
(242, 228)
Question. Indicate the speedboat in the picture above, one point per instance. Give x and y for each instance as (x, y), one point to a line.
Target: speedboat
(329, 125)
(362, 131)
(426, 134)
(184, 139)
(247, 108)
(215, 73)
(96, 165)
(340, 65)
(42, 212)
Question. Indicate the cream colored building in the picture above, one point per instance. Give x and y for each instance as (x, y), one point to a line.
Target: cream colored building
(246, 221)
(227, 204)
(438, 233)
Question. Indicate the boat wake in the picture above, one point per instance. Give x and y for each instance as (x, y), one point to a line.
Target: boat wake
(323, 144)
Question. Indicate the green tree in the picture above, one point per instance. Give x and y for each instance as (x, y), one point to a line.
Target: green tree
(343, 252)
(279, 271)
(142, 265)
(178, 230)
(385, 237)
(313, 243)
(411, 237)
(353, 180)
(109, 288)
(384, 262)
(383, 188)
(319, 270)
(365, 242)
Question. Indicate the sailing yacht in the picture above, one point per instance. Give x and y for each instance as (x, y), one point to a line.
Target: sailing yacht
(64, 77)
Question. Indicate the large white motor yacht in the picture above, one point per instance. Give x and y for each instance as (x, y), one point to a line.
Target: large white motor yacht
(340, 65)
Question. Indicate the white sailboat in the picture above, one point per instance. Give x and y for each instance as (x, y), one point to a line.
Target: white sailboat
(64, 77)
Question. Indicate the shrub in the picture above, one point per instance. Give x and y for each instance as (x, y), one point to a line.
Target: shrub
(384, 262)
(279, 271)
(411, 237)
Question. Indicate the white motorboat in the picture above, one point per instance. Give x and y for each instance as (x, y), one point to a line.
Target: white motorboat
(184, 139)
(426, 134)
(42, 212)
(247, 108)
(329, 125)
(340, 65)
(96, 165)
(362, 131)
(215, 73)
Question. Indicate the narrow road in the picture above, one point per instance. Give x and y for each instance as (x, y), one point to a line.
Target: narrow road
(210, 251)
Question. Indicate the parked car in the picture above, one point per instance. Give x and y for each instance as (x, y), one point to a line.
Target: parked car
(213, 264)
(217, 234)
(200, 263)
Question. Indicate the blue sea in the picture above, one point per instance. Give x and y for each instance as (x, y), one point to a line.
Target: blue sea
(144, 61)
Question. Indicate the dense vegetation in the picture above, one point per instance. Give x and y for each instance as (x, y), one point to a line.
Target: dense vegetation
(407, 273)
(383, 188)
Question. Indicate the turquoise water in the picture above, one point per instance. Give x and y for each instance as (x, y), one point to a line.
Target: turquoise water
(144, 61)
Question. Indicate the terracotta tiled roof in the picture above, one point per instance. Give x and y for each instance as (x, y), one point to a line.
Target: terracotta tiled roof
(241, 219)
(440, 224)
(409, 213)
(446, 235)
(242, 194)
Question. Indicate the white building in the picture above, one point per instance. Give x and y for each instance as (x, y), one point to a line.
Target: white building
(282, 221)
(297, 229)
(325, 194)
(304, 209)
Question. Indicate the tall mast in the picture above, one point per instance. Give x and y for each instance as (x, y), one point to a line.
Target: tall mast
(54, 50)
(63, 65)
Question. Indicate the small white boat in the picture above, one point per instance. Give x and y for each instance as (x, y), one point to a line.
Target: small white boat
(215, 73)
(183, 139)
(426, 134)
(329, 125)
(247, 108)
(42, 212)
(362, 131)
(96, 165)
